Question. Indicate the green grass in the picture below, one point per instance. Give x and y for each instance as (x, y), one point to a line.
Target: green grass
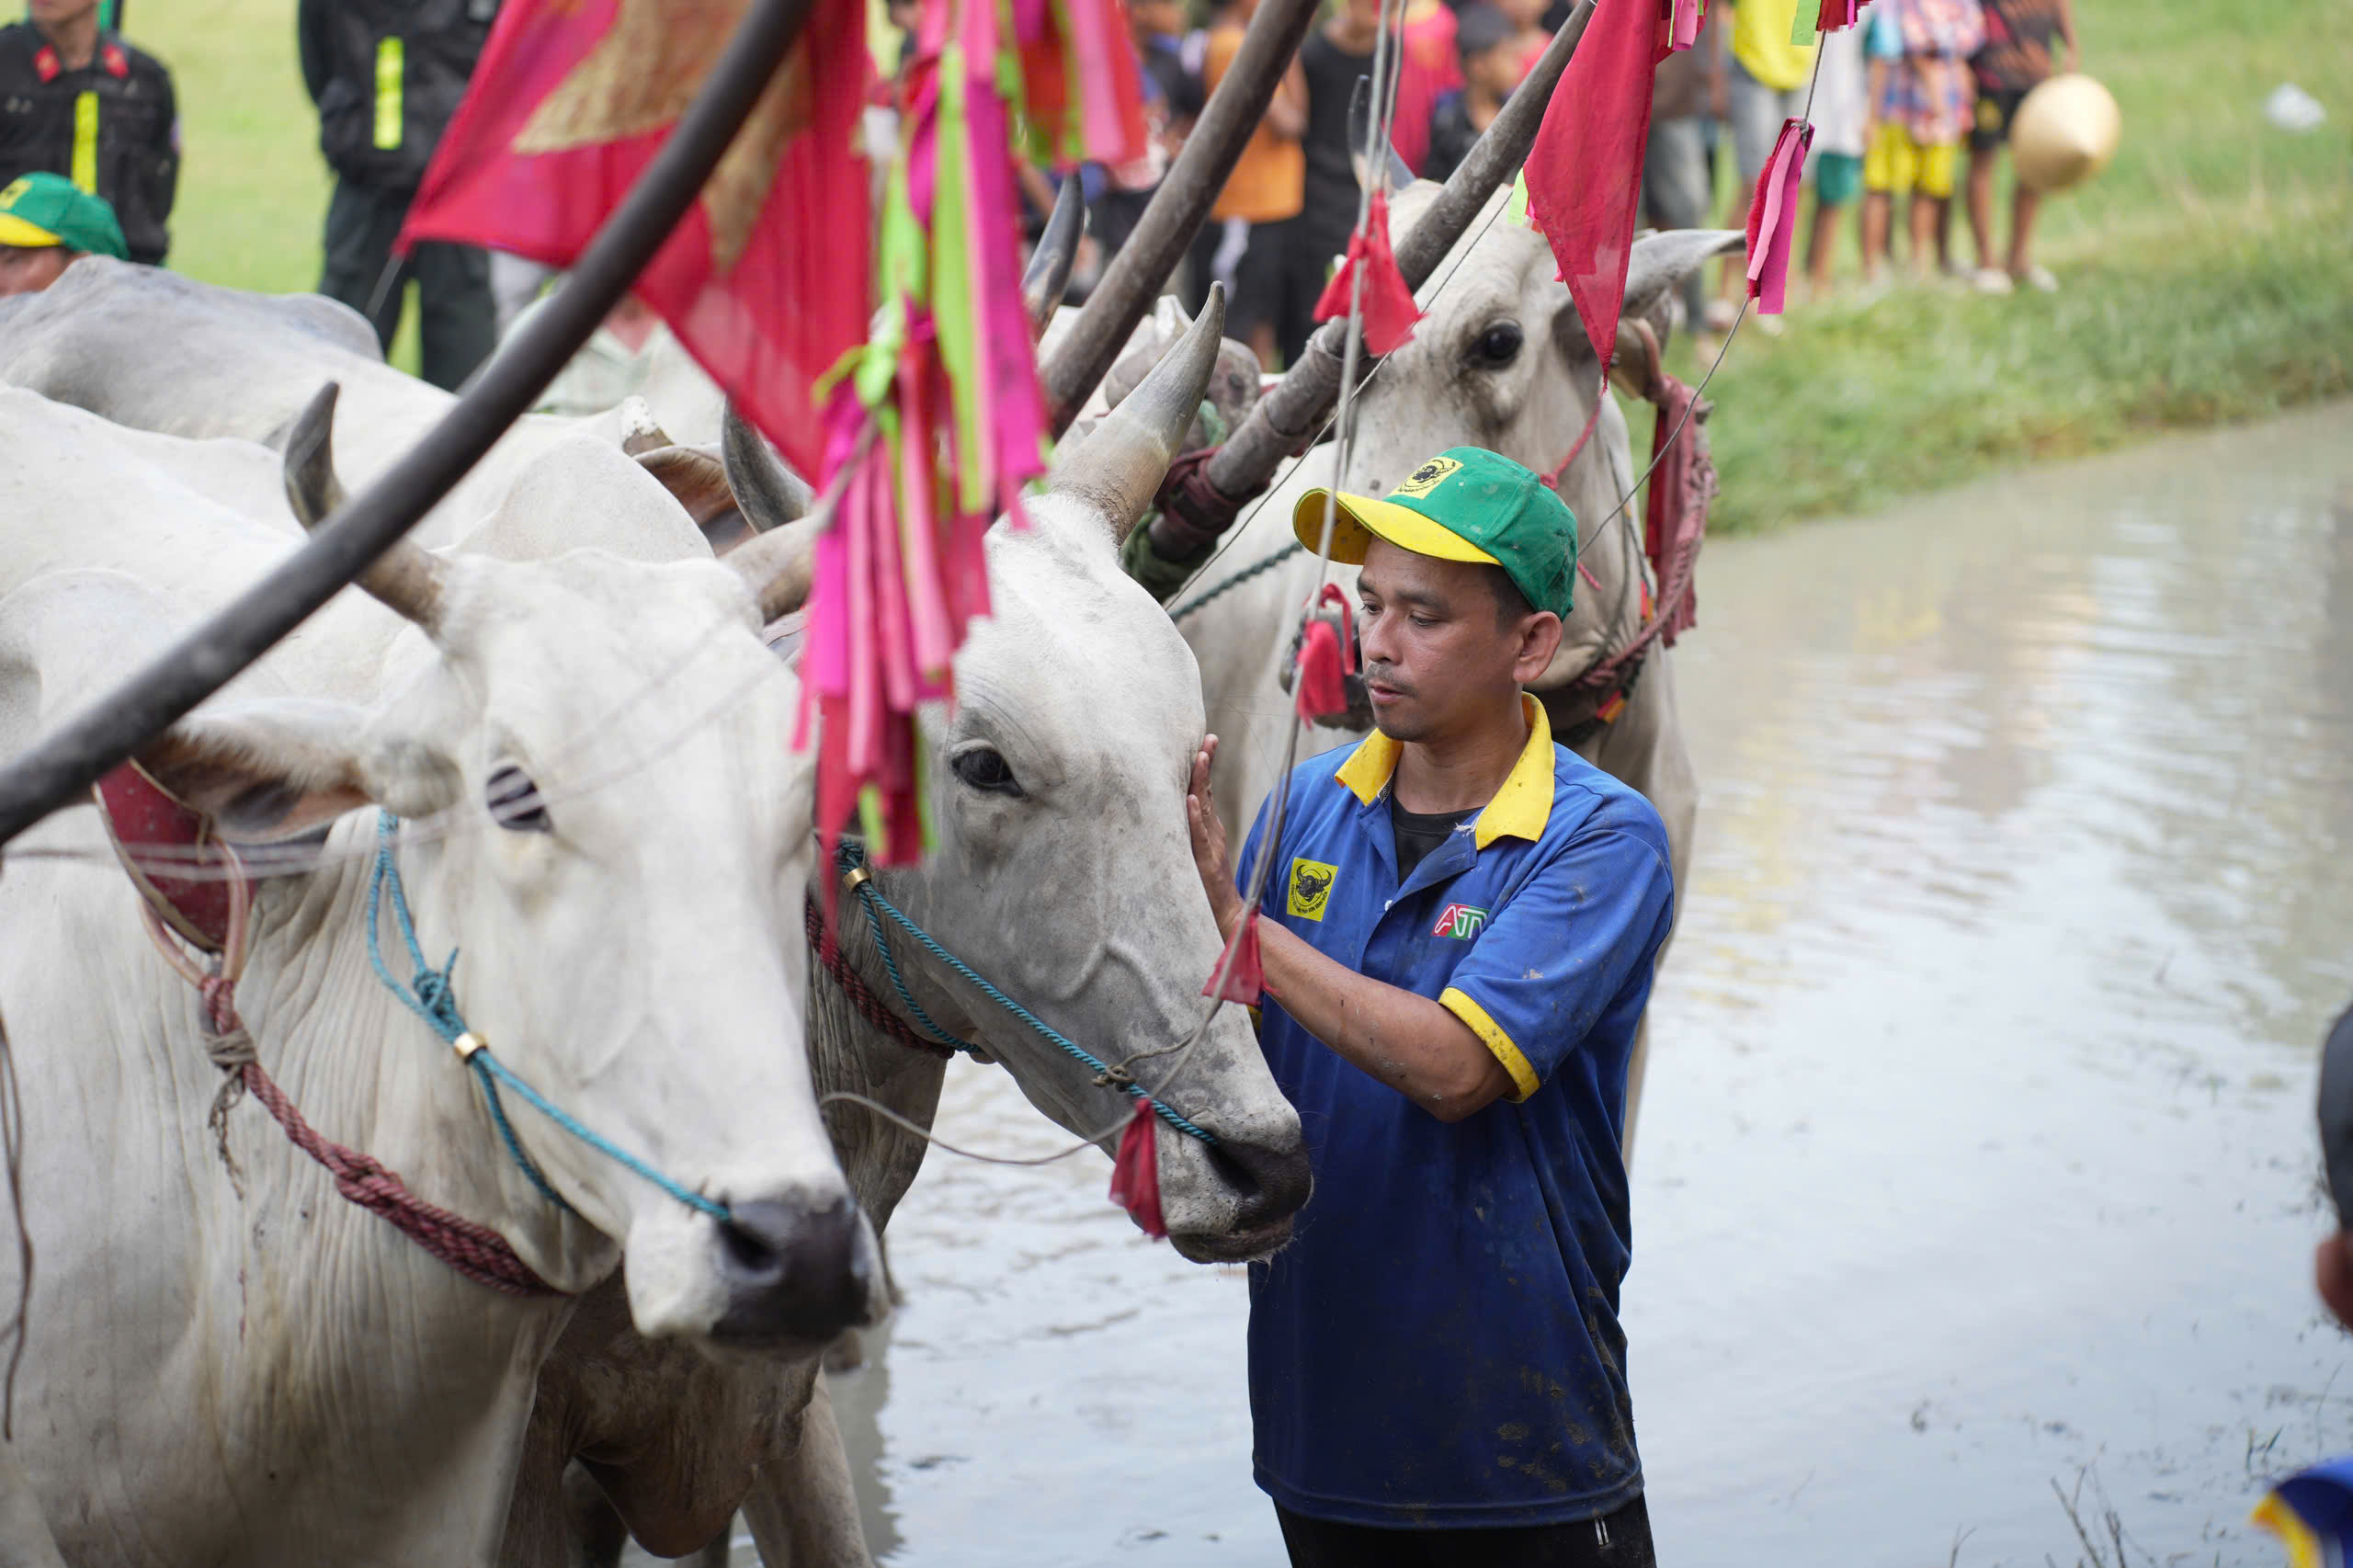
(2206, 276)
(2208, 271)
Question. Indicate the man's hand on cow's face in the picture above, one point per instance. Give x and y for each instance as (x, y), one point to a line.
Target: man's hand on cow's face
(1210, 856)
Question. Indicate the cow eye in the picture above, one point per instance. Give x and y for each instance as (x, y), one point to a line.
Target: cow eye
(515, 802)
(982, 767)
(1497, 346)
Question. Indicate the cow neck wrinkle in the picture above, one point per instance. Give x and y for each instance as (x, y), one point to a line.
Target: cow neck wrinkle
(1460, 773)
(367, 1076)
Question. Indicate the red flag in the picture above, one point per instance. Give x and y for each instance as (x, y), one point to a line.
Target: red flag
(766, 280)
(1773, 216)
(1389, 308)
(1585, 172)
(1135, 1172)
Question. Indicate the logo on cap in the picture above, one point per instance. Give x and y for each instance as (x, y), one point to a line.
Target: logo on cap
(16, 190)
(1427, 477)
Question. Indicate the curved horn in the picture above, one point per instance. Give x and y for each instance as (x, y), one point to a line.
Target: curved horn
(405, 579)
(779, 565)
(1119, 468)
(1293, 409)
(1158, 242)
(1394, 173)
(1057, 252)
(768, 493)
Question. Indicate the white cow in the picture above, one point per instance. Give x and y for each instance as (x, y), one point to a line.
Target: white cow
(244, 1368)
(1500, 360)
(1064, 875)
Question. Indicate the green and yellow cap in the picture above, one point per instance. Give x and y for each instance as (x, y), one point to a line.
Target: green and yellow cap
(49, 210)
(1466, 503)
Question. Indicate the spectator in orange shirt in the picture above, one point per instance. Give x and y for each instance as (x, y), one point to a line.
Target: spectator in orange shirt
(1258, 212)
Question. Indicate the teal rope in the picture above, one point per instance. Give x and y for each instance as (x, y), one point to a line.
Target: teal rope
(877, 906)
(432, 996)
(1265, 564)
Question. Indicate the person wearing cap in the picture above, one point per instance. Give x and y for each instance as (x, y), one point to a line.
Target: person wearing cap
(46, 222)
(1458, 929)
(76, 100)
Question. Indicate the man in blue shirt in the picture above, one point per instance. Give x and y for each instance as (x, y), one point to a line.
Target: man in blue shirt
(1457, 933)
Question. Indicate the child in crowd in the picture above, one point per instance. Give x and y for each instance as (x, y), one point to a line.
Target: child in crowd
(1488, 46)
(1841, 112)
(1921, 93)
(1529, 40)
(2014, 59)
(1426, 72)
(1172, 98)
(1255, 217)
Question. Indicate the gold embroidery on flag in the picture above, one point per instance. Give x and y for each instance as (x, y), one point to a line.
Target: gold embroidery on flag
(640, 77)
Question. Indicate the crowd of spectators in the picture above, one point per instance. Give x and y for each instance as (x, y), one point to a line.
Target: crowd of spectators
(1893, 103)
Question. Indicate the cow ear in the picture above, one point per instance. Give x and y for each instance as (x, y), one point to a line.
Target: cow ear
(267, 768)
(1659, 263)
(272, 768)
(696, 478)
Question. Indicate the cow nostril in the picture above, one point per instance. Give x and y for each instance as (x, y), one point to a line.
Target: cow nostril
(793, 1271)
(750, 1256)
(1271, 1184)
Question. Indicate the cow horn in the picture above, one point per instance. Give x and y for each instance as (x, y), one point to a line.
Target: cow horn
(1117, 468)
(405, 579)
(1396, 174)
(1057, 252)
(768, 493)
(779, 565)
(1294, 408)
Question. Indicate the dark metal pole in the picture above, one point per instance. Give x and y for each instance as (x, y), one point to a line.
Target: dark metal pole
(1294, 408)
(1176, 210)
(60, 767)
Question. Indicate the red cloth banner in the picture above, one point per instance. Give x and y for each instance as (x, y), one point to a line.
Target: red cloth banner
(1585, 172)
(1389, 308)
(766, 280)
(1773, 216)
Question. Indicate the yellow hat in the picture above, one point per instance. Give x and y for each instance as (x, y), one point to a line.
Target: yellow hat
(2064, 133)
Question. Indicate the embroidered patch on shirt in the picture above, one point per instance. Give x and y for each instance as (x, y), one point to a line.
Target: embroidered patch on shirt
(1459, 921)
(1311, 888)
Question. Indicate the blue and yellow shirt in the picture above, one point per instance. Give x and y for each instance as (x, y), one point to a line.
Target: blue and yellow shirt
(1440, 1345)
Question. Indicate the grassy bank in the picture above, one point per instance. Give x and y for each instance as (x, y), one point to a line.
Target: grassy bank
(2206, 276)
(2208, 272)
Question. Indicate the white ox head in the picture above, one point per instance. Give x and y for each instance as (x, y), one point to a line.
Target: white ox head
(610, 830)
(1064, 870)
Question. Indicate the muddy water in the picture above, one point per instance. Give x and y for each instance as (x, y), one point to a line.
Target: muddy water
(1976, 1154)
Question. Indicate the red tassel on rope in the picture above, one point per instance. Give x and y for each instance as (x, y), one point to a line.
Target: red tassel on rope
(1327, 653)
(1772, 216)
(1135, 1172)
(1389, 308)
(1245, 977)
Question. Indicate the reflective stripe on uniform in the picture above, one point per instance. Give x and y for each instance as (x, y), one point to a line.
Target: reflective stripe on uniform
(388, 93)
(85, 141)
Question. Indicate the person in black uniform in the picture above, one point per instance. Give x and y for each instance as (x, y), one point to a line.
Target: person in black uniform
(387, 75)
(77, 101)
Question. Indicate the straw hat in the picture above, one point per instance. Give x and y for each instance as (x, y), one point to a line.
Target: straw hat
(2064, 133)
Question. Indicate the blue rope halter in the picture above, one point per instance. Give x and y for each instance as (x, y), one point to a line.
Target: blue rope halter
(431, 996)
(852, 859)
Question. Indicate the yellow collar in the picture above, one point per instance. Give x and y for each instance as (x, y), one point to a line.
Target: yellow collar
(1520, 808)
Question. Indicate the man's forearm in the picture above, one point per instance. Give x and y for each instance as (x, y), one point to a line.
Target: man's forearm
(1406, 1042)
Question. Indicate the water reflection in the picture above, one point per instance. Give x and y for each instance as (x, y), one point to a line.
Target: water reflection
(1978, 1151)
